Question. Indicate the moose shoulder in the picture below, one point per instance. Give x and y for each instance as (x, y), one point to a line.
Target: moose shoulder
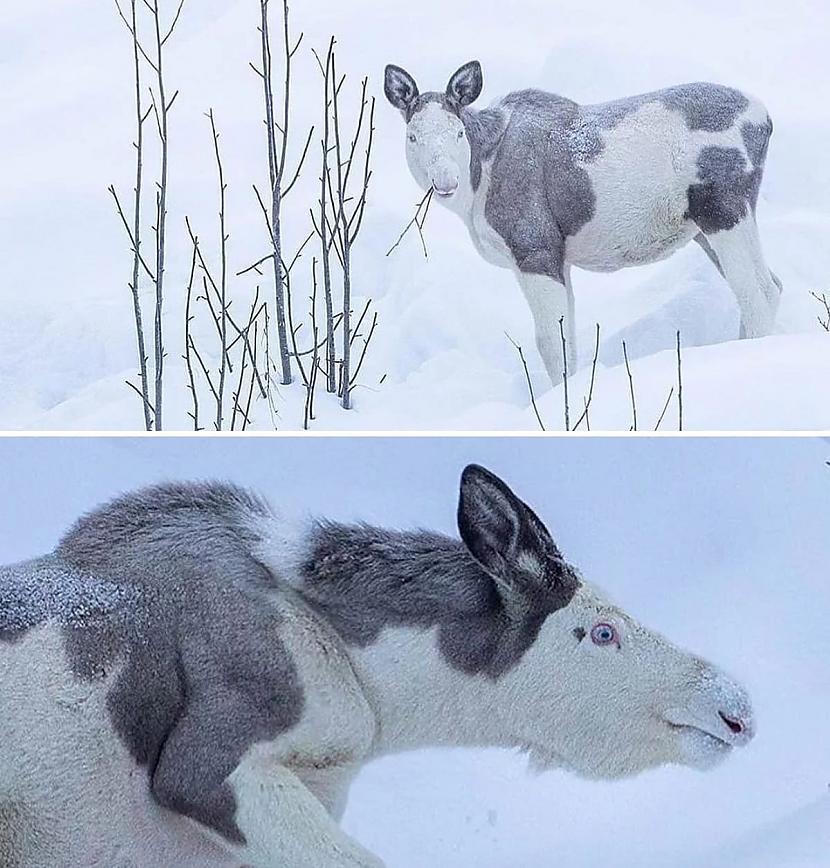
(543, 184)
(190, 678)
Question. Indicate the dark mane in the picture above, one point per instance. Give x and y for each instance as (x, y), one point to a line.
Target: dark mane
(366, 579)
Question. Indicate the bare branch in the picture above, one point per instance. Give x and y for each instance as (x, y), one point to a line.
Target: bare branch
(287, 189)
(665, 407)
(418, 221)
(276, 166)
(131, 234)
(188, 341)
(825, 303)
(223, 279)
(631, 388)
(528, 380)
(565, 373)
(366, 343)
(134, 234)
(587, 401)
(175, 22)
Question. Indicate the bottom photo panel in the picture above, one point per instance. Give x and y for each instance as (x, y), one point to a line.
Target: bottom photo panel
(414, 652)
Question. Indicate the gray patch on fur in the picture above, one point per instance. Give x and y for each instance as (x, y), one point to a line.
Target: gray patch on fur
(727, 190)
(756, 141)
(365, 579)
(162, 583)
(705, 106)
(539, 192)
(484, 131)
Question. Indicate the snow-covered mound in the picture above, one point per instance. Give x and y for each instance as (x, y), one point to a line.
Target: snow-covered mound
(800, 840)
(440, 358)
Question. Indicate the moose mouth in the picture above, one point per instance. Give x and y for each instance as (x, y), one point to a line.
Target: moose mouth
(445, 194)
(700, 733)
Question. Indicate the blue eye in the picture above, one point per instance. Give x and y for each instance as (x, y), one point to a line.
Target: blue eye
(412, 137)
(461, 134)
(604, 634)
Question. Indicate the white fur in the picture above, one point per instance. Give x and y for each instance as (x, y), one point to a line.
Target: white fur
(440, 155)
(602, 712)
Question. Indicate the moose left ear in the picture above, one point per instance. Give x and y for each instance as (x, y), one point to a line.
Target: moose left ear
(504, 534)
(466, 84)
(399, 87)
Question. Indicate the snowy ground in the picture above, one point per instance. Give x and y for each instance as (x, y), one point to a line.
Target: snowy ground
(66, 341)
(720, 544)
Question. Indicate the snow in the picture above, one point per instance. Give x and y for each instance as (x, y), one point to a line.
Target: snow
(66, 339)
(719, 543)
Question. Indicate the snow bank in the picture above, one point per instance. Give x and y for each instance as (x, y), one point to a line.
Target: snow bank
(800, 840)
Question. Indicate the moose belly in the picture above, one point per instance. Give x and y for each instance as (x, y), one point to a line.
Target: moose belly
(611, 243)
(640, 184)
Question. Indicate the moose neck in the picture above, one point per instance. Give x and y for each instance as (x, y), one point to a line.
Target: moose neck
(426, 632)
(484, 130)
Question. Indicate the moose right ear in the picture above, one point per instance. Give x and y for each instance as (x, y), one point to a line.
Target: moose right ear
(399, 87)
(503, 533)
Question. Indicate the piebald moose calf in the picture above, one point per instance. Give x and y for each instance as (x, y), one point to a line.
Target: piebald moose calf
(543, 183)
(191, 680)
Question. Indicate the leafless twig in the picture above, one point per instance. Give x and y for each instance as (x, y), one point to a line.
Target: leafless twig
(161, 107)
(188, 340)
(418, 221)
(631, 388)
(340, 225)
(528, 380)
(565, 372)
(679, 387)
(223, 278)
(134, 233)
(822, 299)
(665, 407)
(587, 401)
(277, 156)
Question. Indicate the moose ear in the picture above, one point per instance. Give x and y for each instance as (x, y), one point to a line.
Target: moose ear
(399, 87)
(466, 84)
(504, 534)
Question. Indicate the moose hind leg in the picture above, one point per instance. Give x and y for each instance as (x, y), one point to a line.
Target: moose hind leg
(773, 295)
(551, 301)
(738, 253)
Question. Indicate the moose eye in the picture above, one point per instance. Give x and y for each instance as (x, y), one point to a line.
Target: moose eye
(461, 134)
(604, 634)
(412, 137)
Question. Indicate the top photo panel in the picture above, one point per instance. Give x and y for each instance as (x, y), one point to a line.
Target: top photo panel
(438, 215)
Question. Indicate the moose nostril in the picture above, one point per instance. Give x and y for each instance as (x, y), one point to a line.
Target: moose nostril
(735, 726)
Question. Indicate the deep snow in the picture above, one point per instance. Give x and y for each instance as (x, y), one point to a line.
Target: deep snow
(66, 340)
(721, 544)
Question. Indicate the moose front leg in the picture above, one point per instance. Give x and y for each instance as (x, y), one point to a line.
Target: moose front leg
(216, 769)
(285, 826)
(550, 299)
